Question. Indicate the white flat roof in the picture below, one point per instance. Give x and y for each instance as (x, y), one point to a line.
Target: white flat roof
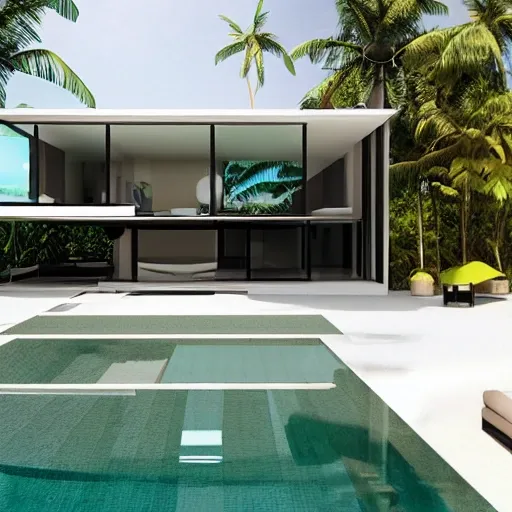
(210, 116)
(330, 133)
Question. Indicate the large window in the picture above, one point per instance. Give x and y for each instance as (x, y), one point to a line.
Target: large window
(15, 165)
(162, 169)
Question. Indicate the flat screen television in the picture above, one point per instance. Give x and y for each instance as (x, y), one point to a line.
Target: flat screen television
(260, 187)
(14, 166)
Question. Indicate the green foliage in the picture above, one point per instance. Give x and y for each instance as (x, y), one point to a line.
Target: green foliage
(19, 23)
(23, 244)
(367, 50)
(254, 42)
(261, 187)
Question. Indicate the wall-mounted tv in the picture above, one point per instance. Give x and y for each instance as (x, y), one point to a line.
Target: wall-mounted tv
(14, 166)
(261, 187)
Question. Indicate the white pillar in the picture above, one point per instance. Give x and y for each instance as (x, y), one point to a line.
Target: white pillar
(123, 256)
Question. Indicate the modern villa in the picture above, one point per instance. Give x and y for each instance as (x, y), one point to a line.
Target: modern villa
(291, 198)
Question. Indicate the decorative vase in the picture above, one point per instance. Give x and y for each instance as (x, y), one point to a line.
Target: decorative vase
(493, 287)
(203, 190)
(422, 284)
(142, 196)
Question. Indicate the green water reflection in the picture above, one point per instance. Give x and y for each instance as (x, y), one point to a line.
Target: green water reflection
(340, 449)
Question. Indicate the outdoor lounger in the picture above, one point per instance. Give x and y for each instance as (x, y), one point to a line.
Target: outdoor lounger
(497, 416)
(459, 282)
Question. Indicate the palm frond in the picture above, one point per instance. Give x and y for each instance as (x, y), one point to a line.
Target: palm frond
(65, 8)
(257, 13)
(234, 26)
(467, 51)
(359, 14)
(260, 69)
(318, 49)
(48, 66)
(229, 51)
(269, 44)
(252, 48)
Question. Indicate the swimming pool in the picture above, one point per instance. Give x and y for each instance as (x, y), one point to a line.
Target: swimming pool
(286, 426)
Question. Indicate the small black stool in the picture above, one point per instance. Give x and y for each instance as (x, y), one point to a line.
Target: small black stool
(459, 296)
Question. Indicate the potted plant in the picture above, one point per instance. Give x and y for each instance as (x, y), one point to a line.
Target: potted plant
(422, 283)
(497, 286)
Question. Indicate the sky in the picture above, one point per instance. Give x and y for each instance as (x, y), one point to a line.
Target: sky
(160, 53)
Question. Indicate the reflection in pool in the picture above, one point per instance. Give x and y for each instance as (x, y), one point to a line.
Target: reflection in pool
(338, 449)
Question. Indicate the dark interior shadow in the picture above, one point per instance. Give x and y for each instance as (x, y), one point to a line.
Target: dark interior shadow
(314, 441)
(488, 299)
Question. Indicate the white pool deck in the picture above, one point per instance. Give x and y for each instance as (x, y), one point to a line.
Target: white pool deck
(429, 363)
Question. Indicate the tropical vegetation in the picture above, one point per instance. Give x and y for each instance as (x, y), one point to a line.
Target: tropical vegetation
(19, 23)
(261, 187)
(23, 244)
(451, 142)
(254, 43)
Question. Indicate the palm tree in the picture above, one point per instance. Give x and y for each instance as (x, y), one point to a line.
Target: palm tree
(18, 30)
(254, 42)
(470, 142)
(373, 35)
(470, 48)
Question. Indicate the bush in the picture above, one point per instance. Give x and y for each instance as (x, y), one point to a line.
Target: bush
(24, 244)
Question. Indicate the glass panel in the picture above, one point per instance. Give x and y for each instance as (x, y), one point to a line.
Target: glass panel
(335, 251)
(177, 255)
(16, 163)
(163, 170)
(72, 163)
(261, 169)
(232, 244)
(278, 252)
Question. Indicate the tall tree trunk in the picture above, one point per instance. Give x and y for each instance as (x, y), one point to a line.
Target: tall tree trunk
(421, 247)
(437, 223)
(377, 95)
(464, 221)
(501, 223)
(251, 94)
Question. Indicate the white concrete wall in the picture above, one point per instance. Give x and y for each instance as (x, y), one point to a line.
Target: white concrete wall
(385, 184)
(373, 195)
(353, 176)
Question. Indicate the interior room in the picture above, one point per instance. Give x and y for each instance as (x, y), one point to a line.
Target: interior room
(228, 170)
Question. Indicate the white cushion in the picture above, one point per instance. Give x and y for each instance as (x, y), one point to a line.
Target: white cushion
(347, 210)
(184, 212)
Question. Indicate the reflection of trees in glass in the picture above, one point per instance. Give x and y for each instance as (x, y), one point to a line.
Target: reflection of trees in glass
(261, 187)
(19, 22)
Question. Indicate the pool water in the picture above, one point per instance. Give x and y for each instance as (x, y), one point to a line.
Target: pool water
(331, 448)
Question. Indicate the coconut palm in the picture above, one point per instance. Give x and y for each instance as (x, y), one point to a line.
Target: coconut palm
(18, 30)
(373, 35)
(254, 42)
(470, 48)
(470, 142)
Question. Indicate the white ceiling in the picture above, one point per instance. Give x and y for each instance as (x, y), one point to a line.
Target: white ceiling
(330, 133)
